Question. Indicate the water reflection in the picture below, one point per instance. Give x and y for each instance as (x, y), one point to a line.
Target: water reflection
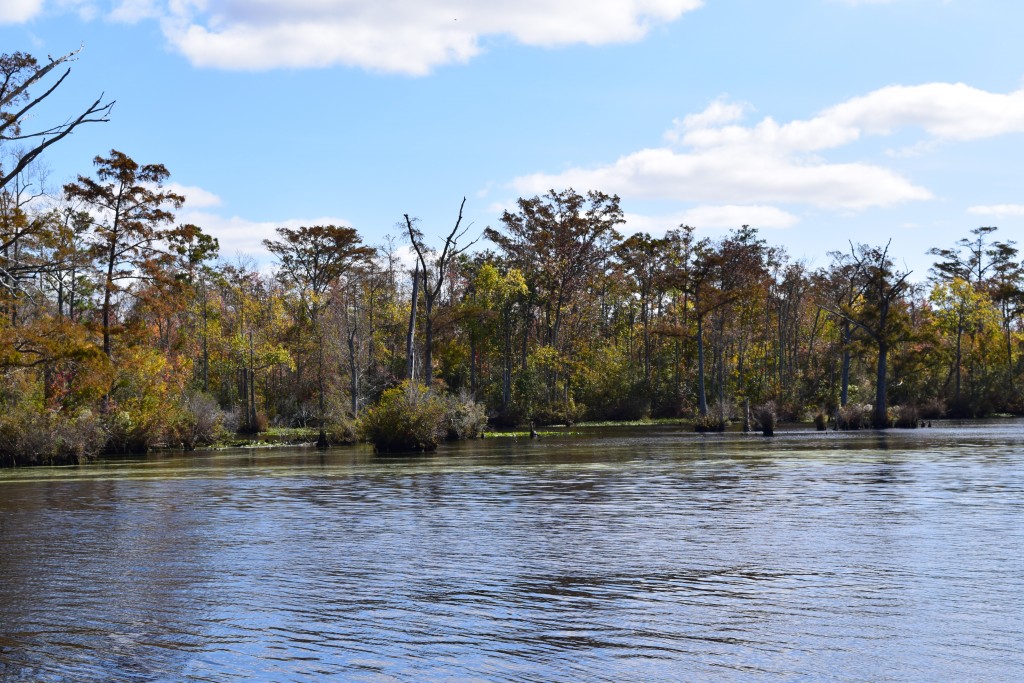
(622, 555)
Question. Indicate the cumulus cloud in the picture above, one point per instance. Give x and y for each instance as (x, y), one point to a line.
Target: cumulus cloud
(998, 210)
(18, 11)
(239, 235)
(736, 175)
(132, 11)
(714, 217)
(195, 197)
(733, 216)
(711, 156)
(402, 36)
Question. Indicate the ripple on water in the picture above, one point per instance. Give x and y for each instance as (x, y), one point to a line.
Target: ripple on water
(646, 555)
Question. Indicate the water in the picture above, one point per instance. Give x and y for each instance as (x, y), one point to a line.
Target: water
(642, 555)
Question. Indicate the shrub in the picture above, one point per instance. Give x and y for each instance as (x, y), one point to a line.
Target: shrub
(128, 433)
(933, 409)
(708, 423)
(905, 416)
(464, 417)
(339, 425)
(32, 437)
(410, 417)
(200, 421)
(855, 416)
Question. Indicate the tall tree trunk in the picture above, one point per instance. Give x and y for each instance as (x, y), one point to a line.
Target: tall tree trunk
(959, 361)
(1009, 358)
(321, 441)
(206, 349)
(108, 287)
(526, 336)
(702, 400)
(354, 373)
(410, 338)
(472, 363)
(506, 374)
(252, 385)
(428, 333)
(844, 392)
(880, 418)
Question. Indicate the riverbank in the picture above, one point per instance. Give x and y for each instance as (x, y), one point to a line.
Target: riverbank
(306, 437)
(621, 554)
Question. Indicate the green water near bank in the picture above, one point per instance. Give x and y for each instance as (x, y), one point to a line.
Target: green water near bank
(641, 553)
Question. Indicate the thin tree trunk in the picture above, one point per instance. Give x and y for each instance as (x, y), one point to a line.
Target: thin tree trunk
(845, 376)
(702, 400)
(410, 338)
(252, 385)
(354, 373)
(880, 420)
(428, 333)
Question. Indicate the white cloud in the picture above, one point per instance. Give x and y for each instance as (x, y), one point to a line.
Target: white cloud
(999, 210)
(947, 111)
(733, 216)
(736, 174)
(238, 235)
(133, 11)
(18, 11)
(711, 217)
(719, 112)
(195, 197)
(403, 36)
(87, 10)
(712, 157)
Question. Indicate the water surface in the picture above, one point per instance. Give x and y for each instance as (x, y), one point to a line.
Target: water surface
(614, 555)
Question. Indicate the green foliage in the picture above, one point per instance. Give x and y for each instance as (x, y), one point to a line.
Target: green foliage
(410, 417)
(339, 426)
(141, 410)
(708, 423)
(200, 421)
(33, 436)
(413, 417)
(464, 417)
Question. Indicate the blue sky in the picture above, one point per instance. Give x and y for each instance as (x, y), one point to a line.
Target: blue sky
(817, 121)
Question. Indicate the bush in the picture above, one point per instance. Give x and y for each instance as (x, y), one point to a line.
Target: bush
(31, 437)
(933, 409)
(708, 423)
(200, 421)
(464, 417)
(855, 416)
(338, 423)
(905, 416)
(128, 433)
(410, 417)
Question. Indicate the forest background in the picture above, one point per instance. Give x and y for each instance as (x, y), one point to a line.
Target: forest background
(122, 329)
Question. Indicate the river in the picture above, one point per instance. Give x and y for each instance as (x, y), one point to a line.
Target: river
(642, 554)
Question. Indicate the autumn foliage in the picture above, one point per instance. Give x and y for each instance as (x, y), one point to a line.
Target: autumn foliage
(122, 329)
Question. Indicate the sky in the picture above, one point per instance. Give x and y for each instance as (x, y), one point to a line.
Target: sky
(819, 122)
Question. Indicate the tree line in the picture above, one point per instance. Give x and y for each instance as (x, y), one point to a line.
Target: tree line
(121, 328)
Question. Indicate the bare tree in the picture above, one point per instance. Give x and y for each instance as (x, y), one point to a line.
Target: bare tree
(433, 279)
(19, 73)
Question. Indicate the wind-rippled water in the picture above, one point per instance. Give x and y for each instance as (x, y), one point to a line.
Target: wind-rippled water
(619, 555)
